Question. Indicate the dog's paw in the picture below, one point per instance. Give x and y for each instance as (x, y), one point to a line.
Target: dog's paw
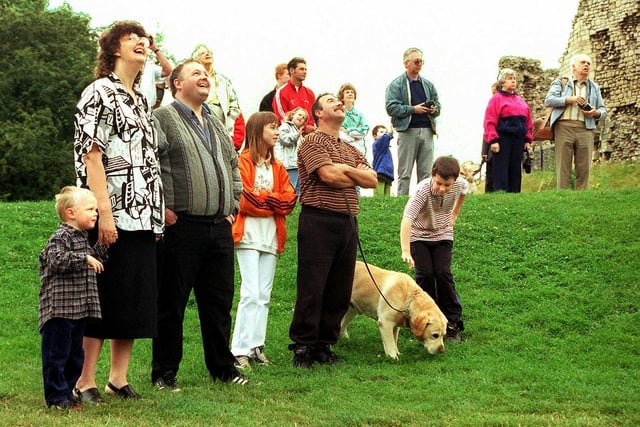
(394, 356)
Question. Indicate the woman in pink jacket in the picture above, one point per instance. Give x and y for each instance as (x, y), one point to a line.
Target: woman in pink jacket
(507, 129)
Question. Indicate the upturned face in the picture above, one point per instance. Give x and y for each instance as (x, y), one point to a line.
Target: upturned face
(299, 118)
(193, 82)
(380, 132)
(204, 56)
(332, 108)
(133, 47)
(582, 68)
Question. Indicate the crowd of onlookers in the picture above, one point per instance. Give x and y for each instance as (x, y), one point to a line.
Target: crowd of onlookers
(169, 192)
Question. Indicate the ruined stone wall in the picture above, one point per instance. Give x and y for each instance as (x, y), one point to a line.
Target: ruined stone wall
(608, 31)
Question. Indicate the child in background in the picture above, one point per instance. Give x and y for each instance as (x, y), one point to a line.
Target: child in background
(426, 238)
(69, 294)
(259, 234)
(286, 150)
(382, 160)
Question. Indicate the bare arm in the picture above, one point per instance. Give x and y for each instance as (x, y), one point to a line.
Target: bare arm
(456, 209)
(405, 242)
(97, 181)
(339, 175)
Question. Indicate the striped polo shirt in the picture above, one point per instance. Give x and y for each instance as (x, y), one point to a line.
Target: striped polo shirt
(430, 214)
(320, 149)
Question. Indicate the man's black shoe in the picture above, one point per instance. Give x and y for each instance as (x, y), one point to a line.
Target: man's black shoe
(302, 357)
(324, 356)
(167, 381)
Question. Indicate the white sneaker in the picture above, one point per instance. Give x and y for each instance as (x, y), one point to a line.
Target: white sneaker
(242, 362)
(257, 354)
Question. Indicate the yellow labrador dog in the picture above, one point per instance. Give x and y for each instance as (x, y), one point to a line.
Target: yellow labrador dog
(418, 310)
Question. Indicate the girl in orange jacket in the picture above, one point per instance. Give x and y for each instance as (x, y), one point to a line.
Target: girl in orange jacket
(259, 234)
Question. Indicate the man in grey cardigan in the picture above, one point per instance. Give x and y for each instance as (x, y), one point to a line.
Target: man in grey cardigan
(412, 102)
(202, 188)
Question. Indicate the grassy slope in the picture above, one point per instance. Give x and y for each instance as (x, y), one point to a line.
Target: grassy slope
(549, 285)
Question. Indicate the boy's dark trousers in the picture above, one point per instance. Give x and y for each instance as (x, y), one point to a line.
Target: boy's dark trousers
(433, 275)
(62, 358)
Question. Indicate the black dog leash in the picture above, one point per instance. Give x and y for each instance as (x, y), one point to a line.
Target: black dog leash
(364, 260)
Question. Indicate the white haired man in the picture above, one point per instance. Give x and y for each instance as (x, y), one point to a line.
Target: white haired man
(576, 109)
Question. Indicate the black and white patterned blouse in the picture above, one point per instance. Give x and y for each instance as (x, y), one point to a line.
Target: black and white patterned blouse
(107, 115)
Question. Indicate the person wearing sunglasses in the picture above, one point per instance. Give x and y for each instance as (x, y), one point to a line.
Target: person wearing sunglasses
(412, 102)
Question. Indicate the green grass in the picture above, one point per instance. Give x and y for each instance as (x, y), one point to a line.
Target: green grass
(549, 284)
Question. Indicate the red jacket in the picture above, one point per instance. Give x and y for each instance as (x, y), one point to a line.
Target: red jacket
(278, 203)
(238, 132)
(287, 98)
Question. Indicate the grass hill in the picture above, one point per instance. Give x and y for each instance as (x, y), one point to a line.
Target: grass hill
(550, 288)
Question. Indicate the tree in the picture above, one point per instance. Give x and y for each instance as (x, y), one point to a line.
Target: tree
(46, 60)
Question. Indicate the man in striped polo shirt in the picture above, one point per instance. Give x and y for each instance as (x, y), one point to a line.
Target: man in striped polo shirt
(329, 170)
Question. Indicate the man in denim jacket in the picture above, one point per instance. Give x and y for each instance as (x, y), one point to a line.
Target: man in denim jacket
(412, 102)
(577, 106)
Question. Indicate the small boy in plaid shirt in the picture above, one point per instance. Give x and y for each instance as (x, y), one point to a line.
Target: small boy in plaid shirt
(69, 294)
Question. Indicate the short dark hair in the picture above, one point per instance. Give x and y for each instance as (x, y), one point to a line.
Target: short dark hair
(375, 129)
(293, 64)
(316, 106)
(447, 167)
(175, 74)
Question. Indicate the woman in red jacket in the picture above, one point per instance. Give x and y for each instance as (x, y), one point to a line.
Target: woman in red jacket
(259, 233)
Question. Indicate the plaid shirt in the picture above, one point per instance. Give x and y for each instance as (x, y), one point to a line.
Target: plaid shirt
(69, 287)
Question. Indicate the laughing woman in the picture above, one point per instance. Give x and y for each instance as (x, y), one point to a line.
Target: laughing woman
(116, 157)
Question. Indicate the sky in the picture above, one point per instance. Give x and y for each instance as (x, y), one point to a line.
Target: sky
(360, 42)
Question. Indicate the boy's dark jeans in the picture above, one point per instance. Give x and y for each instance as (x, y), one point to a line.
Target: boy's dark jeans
(433, 275)
(62, 358)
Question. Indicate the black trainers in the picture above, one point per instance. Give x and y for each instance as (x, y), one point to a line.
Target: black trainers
(324, 356)
(167, 382)
(454, 334)
(302, 357)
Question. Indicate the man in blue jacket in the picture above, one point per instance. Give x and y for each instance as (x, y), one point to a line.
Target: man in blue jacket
(412, 102)
(577, 106)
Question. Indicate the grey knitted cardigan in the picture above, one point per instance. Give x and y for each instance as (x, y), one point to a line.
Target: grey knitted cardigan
(197, 180)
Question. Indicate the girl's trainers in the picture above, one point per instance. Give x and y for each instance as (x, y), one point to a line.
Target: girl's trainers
(242, 362)
(259, 357)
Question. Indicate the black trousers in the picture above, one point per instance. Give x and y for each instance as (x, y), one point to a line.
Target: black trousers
(196, 255)
(327, 244)
(507, 164)
(433, 275)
